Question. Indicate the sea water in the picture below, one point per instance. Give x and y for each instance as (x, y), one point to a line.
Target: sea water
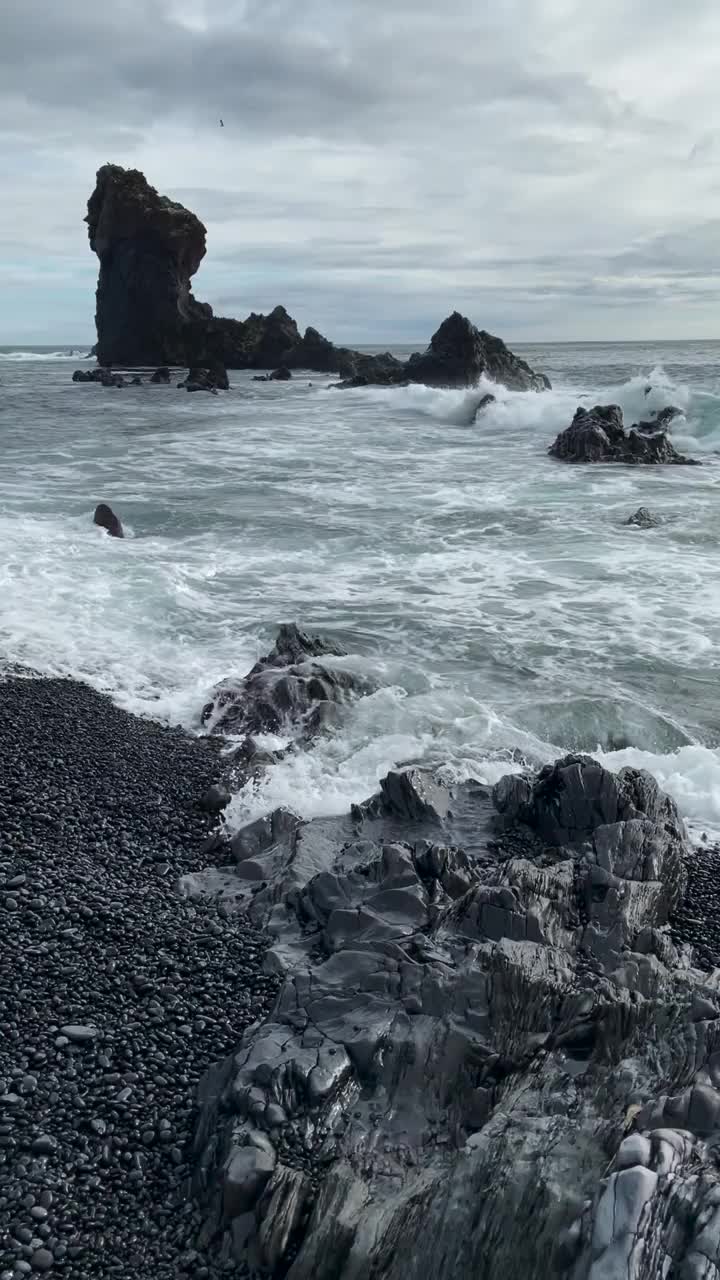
(504, 610)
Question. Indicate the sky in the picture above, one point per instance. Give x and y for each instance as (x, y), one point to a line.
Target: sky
(551, 168)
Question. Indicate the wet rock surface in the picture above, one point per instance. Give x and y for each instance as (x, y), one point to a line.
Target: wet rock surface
(116, 994)
(643, 518)
(289, 690)
(490, 1055)
(106, 519)
(598, 435)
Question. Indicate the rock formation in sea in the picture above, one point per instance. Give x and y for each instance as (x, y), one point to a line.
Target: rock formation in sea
(106, 519)
(488, 1056)
(644, 519)
(150, 247)
(598, 435)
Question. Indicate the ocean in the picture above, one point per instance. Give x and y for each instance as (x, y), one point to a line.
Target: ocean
(503, 608)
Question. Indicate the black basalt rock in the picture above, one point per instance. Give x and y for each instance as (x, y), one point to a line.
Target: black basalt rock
(105, 517)
(598, 435)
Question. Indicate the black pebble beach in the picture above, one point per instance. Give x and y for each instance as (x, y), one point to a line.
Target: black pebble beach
(115, 993)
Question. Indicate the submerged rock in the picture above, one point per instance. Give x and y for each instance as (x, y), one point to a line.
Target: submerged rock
(598, 435)
(105, 517)
(487, 1057)
(459, 355)
(644, 519)
(281, 375)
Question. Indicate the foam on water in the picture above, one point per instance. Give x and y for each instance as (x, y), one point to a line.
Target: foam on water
(502, 607)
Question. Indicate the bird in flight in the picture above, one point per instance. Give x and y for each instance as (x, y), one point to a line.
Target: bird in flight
(222, 126)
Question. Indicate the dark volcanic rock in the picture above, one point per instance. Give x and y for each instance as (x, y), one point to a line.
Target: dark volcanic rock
(281, 375)
(487, 1057)
(161, 376)
(657, 421)
(284, 691)
(598, 435)
(644, 519)
(125, 993)
(459, 355)
(105, 517)
(210, 379)
(150, 247)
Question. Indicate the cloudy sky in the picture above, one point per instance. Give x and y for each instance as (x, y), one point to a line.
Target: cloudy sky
(549, 167)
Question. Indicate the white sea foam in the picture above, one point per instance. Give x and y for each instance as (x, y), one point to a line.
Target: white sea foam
(496, 598)
(19, 357)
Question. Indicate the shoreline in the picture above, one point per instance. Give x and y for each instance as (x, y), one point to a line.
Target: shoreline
(100, 812)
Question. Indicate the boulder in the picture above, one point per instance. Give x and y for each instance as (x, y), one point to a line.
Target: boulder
(105, 517)
(598, 435)
(283, 689)
(644, 519)
(282, 374)
(161, 376)
(210, 379)
(485, 403)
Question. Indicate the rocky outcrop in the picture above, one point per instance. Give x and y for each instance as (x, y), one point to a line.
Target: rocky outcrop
(150, 247)
(598, 435)
(459, 355)
(211, 380)
(487, 1058)
(161, 376)
(644, 519)
(291, 690)
(105, 517)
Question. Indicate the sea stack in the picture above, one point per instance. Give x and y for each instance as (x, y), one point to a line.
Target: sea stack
(149, 249)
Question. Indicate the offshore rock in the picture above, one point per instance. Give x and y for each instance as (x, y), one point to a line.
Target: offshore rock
(288, 690)
(149, 249)
(598, 435)
(486, 1058)
(105, 517)
(658, 421)
(459, 355)
(212, 379)
(644, 519)
(161, 376)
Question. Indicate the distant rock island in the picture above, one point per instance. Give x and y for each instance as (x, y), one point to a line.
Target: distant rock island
(149, 249)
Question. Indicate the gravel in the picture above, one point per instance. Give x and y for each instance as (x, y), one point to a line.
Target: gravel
(115, 994)
(697, 919)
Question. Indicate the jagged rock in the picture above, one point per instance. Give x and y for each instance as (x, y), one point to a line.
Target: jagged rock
(149, 249)
(644, 519)
(485, 1060)
(161, 376)
(598, 435)
(105, 517)
(281, 375)
(459, 355)
(282, 689)
(210, 379)
(658, 421)
(85, 375)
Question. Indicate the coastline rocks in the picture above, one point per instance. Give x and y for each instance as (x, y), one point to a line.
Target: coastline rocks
(105, 517)
(598, 435)
(485, 403)
(161, 376)
(286, 691)
(644, 519)
(282, 374)
(487, 1057)
(149, 248)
